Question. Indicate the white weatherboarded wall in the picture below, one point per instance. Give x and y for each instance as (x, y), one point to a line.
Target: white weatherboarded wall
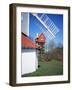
(25, 23)
(29, 61)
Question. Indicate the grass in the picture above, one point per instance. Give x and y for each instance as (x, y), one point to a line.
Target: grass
(53, 67)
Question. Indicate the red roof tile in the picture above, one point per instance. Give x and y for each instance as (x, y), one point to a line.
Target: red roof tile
(41, 38)
(26, 42)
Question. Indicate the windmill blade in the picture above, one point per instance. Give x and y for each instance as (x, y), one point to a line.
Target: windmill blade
(46, 33)
(41, 16)
(50, 24)
(43, 24)
(48, 27)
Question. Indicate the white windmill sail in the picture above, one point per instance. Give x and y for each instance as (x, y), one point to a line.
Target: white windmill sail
(49, 28)
(45, 32)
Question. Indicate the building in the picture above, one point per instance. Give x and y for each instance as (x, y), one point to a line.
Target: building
(40, 40)
(29, 55)
(29, 48)
(25, 23)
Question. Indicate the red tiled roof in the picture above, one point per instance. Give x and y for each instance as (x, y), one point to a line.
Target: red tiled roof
(41, 38)
(26, 42)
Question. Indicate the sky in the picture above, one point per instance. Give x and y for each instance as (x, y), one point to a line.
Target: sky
(35, 25)
(58, 21)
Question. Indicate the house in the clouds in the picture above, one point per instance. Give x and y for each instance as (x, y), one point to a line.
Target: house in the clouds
(40, 40)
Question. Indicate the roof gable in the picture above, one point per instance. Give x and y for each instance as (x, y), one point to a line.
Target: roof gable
(26, 42)
(41, 38)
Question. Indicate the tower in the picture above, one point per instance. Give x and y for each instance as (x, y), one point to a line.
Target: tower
(25, 23)
(40, 40)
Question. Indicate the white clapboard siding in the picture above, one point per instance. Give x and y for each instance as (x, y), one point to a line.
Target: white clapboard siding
(25, 23)
(29, 61)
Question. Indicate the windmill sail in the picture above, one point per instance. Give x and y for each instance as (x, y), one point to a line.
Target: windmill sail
(48, 26)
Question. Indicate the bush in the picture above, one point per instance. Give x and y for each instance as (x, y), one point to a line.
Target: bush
(56, 53)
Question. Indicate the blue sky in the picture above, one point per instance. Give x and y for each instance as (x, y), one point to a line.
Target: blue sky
(58, 21)
(34, 26)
